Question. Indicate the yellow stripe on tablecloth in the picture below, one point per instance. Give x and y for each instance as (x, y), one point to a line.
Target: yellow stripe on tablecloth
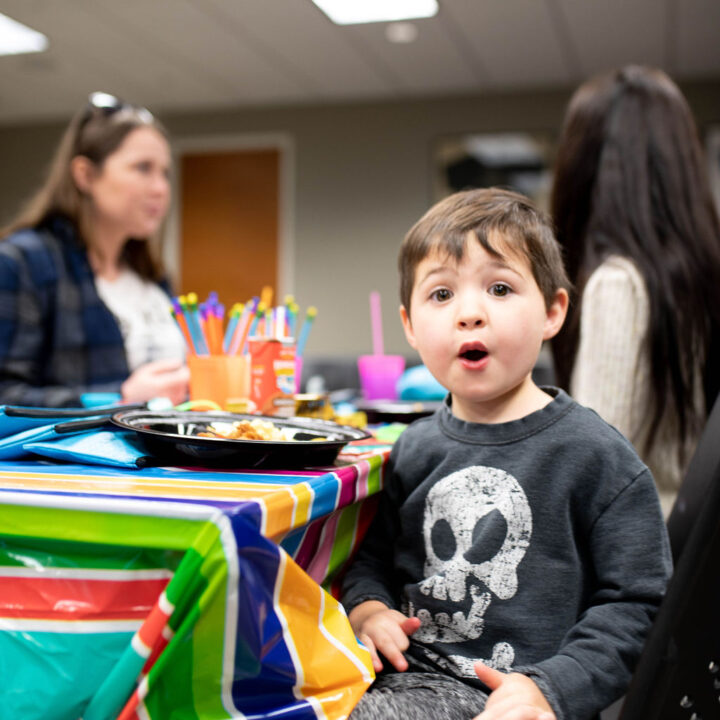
(282, 516)
(333, 669)
(284, 506)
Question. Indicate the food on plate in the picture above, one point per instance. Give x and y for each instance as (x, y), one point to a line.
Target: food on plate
(247, 430)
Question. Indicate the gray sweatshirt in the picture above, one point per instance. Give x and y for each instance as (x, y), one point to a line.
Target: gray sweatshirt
(537, 546)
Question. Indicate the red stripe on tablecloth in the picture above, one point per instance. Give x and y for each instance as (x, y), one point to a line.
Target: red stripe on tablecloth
(153, 626)
(77, 599)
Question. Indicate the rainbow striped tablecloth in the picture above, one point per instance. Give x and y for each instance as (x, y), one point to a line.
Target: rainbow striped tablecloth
(180, 593)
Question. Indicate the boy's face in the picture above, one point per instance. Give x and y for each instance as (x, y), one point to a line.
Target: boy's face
(478, 325)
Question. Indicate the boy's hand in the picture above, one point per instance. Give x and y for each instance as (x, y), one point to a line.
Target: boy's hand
(381, 629)
(513, 697)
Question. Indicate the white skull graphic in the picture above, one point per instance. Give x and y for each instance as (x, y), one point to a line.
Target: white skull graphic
(456, 504)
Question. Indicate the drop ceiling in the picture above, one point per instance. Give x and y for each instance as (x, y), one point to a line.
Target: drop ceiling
(187, 55)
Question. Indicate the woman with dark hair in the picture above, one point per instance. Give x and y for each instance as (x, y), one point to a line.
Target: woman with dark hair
(635, 216)
(84, 302)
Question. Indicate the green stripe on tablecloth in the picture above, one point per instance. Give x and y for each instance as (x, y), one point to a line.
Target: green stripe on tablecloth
(375, 474)
(22, 551)
(189, 672)
(343, 541)
(148, 531)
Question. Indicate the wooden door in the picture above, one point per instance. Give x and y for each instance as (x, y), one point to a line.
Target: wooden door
(229, 223)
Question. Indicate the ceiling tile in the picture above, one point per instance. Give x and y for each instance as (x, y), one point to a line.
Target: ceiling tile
(431, 63)
(613, 33)
(298, 37)
(514, 41)
(174, 55)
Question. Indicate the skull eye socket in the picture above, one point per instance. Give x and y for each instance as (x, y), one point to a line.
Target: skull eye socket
(488, 535)
(443, 540)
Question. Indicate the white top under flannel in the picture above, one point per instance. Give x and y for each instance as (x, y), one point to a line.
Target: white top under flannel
(142, 311)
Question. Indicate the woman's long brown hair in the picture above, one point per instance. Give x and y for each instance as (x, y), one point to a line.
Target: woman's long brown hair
(630, 180)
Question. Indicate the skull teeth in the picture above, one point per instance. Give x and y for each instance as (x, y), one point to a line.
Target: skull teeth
(442, 628)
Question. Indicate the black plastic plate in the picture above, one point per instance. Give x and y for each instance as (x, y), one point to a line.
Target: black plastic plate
(404, 411)
(172, 436)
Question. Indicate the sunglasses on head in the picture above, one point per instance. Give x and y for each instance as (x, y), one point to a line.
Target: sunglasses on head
(109, 104)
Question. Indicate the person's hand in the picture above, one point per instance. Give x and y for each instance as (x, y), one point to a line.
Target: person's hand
(513, 697)
(381, 629)
(161, 378)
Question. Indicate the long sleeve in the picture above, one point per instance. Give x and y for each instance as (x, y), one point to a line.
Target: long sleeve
(631, 559)
(57, 339)
(22, 341)
(611, 373)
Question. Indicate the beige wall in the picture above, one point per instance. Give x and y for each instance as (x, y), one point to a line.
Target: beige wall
(361, 178)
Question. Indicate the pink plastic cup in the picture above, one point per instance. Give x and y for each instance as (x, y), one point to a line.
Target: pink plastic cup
(379, 375)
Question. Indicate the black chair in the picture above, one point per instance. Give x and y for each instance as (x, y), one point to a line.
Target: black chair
(678, 675)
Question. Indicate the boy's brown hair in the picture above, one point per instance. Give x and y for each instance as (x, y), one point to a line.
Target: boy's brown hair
(524, 229)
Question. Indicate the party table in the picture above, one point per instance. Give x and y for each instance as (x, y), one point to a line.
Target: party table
(181, 592)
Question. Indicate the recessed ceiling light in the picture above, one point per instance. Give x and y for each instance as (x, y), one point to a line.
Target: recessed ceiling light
(16, 38)
(401, 32)
(351, 12)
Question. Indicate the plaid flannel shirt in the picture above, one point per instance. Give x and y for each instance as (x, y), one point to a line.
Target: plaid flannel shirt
(57, 338)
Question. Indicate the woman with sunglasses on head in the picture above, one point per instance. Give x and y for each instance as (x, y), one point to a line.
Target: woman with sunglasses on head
(635, 216)
(84, 306)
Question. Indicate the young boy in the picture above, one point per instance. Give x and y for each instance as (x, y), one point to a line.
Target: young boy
(519, 548)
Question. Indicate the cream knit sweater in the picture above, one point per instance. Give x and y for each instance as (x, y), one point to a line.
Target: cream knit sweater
(612, 370)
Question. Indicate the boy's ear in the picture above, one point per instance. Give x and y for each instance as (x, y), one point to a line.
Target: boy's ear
(556, 314)
(407, 327)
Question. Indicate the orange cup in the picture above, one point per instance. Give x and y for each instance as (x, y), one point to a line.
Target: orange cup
(219, 378)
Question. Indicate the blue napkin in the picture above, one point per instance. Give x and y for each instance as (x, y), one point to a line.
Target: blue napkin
(70, 436)
(15, 419)
(117, 448)
(12, 447)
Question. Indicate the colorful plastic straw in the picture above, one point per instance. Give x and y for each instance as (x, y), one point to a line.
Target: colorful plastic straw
(279, 329)
(266, 296)
(177, 312)
(241, 332)
(235, 314)
(192, 315)
(292, 313)
(201, 324)
(265, 327)
(259, 315)
(288, 303)
(215, 314)
(305, 330)
(376, 323)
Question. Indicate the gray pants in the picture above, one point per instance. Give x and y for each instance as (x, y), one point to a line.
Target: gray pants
(419, 696)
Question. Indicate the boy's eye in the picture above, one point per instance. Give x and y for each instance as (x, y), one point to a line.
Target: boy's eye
(441, 295)
(500, 290)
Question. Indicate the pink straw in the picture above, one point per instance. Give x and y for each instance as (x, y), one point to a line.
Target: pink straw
(376, 323)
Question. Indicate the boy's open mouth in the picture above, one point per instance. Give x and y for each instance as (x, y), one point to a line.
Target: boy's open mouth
(473, 352)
